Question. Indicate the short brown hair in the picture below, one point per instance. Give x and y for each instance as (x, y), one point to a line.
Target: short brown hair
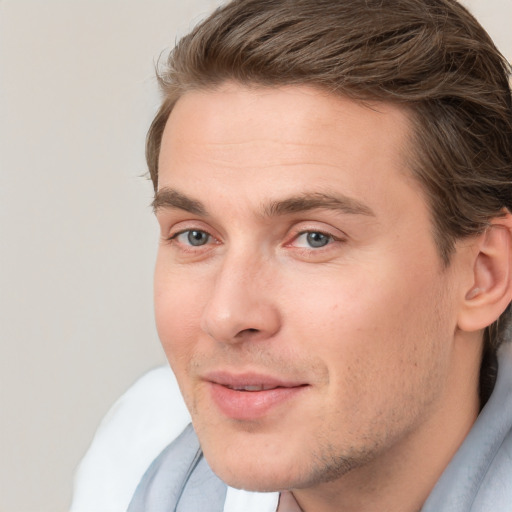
(430, 56)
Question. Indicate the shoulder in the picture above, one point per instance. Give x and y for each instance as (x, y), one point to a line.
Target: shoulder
(478, 477)
(145, 419)
(495, 490)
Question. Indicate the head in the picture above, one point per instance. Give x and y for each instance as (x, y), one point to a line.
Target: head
(430, 57)
(429, 67)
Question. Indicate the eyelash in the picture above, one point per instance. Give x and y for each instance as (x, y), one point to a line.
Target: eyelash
(330, 238)
(190, 247)
(173, 239)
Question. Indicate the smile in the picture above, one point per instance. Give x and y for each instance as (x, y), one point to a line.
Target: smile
(251, 397)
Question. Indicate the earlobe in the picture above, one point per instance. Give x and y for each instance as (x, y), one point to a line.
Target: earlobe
(491, 289)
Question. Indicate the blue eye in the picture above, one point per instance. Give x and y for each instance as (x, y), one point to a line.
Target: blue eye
(313, 239)
(317, 239)
(193, 237)
(197, 238)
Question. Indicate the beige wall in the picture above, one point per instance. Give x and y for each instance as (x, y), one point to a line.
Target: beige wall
(77, 239)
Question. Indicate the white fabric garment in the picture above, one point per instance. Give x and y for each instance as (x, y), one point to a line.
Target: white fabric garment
(140, 424)
(244, 501)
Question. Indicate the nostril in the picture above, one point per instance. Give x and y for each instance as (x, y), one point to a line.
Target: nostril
(247, 332)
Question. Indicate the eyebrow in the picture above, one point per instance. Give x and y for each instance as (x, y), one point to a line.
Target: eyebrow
(171, 198)
(313, 201)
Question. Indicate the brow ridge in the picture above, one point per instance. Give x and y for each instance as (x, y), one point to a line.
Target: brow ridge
(312, 201)
(171, 198)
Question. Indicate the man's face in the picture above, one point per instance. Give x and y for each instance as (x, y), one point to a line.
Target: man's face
(299, 295)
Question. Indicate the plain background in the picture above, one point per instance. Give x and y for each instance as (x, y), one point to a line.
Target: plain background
(77, 237)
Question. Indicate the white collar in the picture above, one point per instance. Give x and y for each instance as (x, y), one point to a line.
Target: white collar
(238, 500)
(245, 501)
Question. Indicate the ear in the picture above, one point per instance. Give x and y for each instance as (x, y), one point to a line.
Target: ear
(491, 289)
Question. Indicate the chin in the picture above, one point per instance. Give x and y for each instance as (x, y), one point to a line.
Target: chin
(255, 473)
(270, 470)
(252, 474)
(254, 483)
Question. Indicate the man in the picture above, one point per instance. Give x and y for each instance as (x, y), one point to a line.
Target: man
(333, 189)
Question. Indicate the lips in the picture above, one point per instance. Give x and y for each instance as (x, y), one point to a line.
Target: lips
(252, 396)
(261, 387)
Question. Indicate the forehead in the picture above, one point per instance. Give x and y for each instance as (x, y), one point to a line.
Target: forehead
(308, 114)
(251, 141)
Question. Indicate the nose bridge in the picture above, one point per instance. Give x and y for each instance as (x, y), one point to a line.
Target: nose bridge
(241, 303)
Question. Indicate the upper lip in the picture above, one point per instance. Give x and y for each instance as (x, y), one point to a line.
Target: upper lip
(250, 381)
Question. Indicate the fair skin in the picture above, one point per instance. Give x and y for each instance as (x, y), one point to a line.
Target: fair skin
(302, 303)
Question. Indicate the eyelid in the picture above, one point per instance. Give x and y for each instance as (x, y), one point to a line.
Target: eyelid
(186, 230)
(308, 232)
(175, 228)
(170, 234)
(315, 227)
(176, 234)
(182, 232)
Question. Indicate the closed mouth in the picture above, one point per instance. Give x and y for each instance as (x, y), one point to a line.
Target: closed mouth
(260, 387)
(250, 382)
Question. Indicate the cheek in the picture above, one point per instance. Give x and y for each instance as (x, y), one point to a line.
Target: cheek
(375, 330)
(177, 312)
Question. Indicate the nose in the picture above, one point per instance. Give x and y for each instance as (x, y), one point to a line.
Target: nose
(243, 304)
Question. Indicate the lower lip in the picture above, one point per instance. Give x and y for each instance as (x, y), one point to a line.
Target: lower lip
(251, 405)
